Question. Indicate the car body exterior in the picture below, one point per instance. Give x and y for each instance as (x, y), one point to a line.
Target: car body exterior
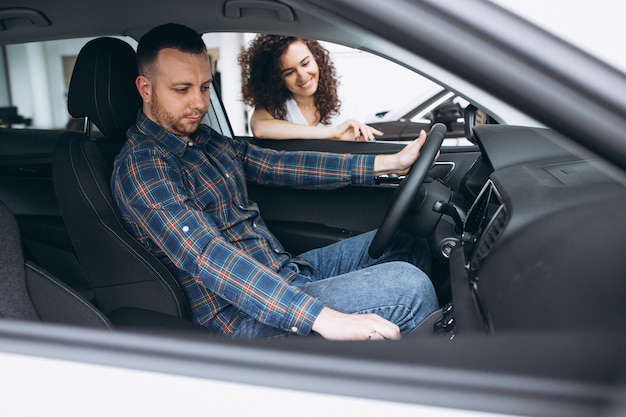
(535, 274)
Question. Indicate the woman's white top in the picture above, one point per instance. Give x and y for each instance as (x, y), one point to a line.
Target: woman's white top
(294, 115)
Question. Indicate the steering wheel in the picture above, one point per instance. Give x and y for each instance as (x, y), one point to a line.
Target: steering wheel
(407, 190)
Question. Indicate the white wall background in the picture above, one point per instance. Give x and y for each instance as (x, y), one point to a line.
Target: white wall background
(37, 80)
(367, 84)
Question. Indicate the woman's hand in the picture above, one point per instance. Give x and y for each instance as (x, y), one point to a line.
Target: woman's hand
(355, 131)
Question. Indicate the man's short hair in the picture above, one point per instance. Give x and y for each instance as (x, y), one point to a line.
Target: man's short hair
(169, 35)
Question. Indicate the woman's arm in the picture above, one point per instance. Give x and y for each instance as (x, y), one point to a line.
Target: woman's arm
(265, 126)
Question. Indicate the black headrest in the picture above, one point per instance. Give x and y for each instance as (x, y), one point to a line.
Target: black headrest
(102, 87)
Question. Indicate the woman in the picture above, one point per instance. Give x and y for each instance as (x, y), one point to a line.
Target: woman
(292, 85)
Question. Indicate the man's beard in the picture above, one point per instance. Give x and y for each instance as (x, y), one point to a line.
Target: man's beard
(170, 122)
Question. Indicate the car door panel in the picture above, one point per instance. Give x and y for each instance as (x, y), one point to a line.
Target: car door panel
(306, 219)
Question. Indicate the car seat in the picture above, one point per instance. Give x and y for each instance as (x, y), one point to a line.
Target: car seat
(123, 274)
(27, 292)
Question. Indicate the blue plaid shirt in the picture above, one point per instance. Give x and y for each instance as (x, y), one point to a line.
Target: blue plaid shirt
(187, 203)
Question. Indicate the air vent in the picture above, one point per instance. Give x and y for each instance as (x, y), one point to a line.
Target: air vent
(485, 222)
(491, 233)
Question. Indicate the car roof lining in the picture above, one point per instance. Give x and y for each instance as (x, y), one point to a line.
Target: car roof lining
(51, 21)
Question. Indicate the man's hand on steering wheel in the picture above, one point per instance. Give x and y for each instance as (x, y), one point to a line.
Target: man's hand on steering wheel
(400, 163)
(414, 160)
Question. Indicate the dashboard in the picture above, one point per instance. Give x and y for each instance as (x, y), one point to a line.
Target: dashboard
(542, 243)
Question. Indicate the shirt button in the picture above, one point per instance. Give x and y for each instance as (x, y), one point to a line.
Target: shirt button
(276, 250)
(294, 329)
(185, 229)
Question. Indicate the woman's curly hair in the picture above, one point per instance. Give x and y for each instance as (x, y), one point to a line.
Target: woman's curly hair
(262, 80)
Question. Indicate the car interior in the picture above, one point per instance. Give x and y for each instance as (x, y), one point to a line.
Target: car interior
(525, 227)
(126, 281)
(467, 203)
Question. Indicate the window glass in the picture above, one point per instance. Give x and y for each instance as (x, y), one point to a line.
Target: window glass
(34, 83)
(35, 77)
(373, 90)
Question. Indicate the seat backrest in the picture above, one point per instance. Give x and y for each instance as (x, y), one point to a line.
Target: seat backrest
(121, 271)
(27, 292)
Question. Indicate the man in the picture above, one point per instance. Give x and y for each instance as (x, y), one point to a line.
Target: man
(181, 188)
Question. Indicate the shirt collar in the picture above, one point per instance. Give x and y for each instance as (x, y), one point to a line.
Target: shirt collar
(171, 142)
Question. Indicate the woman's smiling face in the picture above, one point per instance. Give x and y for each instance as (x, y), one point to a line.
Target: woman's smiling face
(299, 69)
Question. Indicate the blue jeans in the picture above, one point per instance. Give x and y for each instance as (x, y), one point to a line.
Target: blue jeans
(345, 278)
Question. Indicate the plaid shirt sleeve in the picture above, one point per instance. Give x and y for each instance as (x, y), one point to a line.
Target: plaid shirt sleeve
(313, 170)
(157, 200)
